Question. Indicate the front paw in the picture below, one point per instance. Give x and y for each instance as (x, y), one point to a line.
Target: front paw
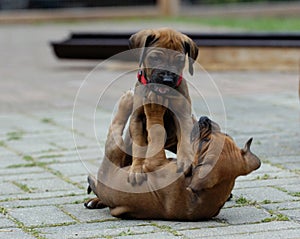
(136, 175)
(155, 105)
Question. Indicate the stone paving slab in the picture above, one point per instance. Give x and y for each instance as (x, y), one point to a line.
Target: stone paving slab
(58, 200)
(5, 223)
(291, 233)
(39, 216)
(15, 233)
(236, 215)
(269, 193)
(241, 230)
(43, 172)
(99, 229)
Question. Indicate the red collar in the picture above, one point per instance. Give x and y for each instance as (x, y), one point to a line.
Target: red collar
(141, 78)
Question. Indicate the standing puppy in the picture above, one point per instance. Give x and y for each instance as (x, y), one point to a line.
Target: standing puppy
(162, 60)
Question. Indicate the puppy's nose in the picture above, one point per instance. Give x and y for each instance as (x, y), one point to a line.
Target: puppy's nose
(168, 80)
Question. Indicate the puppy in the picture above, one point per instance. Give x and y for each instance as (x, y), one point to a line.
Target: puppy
(162, 60)
(168, 194)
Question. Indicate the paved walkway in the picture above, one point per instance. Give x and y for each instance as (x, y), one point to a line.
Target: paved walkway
(43, 177)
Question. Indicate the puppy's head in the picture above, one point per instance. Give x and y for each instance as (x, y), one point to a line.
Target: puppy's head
(163, 56)
(217, 157)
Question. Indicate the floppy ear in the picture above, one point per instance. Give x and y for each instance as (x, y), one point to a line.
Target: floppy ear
(191, 49)
(142, 39)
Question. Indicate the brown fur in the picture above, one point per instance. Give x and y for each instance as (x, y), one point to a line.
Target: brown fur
(197, 196)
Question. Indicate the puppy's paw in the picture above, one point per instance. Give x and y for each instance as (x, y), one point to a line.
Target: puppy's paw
(136, 175)
(94, 203)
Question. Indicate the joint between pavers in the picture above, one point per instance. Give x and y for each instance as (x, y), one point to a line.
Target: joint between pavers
(22, 186)
(21, 225)
(44, 166)
(168, 229)
(69, 214)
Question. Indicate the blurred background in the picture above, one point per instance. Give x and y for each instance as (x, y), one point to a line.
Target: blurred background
(253, 15)
(42, 4)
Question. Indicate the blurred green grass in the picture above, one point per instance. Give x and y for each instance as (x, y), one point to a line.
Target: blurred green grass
(251, 24)
(245, 23)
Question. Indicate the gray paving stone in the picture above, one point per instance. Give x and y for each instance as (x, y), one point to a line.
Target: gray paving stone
(278, 182)
(10, 122)
(75, 168)
(241, 230)
(17, 203)
(286, 234)
(242, 215)
(104, 232)
(86, 215)
(27, 196)
(282, 206)
(294, 214)
(5, 222)
(292, 166)
(20, 175)
(14, 233)
(189, 225)
(48, 185)
(8, 159)
(112, 228)
(31, 144)
(81, 179)
(264, 193)
(72, 155)
(39, 216)
(9, 188)
(292, 187)
(285, 159)
(19, 171)
(165, 235)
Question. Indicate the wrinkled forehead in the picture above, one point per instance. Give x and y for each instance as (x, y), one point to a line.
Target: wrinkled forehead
(163, 52)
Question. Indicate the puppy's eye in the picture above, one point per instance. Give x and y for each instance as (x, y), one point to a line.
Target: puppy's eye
(179, 60)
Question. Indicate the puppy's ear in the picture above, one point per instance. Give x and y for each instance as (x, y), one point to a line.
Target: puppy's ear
(246, 148)
(201, 129)
(141, 39)
(138, 39)
(191, 49)
(252, 162)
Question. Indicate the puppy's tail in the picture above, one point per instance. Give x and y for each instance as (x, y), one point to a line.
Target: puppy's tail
(92, 186)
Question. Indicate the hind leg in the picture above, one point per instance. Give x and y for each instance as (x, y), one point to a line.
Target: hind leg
(115, 148)
(94, 203)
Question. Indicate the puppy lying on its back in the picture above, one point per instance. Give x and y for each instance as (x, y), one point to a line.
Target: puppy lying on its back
(167, 194)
